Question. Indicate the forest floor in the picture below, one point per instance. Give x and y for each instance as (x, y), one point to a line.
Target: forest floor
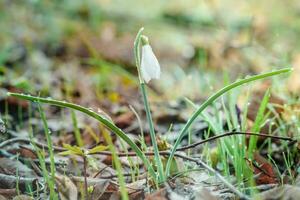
(57, 55)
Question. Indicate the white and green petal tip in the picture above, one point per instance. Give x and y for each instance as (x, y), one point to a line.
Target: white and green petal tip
(150, 68)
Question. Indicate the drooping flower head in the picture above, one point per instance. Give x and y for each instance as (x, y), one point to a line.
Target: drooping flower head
(150, 68)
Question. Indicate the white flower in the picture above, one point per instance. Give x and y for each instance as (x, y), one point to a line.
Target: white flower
(150, 67)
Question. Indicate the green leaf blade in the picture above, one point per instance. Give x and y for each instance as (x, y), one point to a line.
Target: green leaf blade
(214, 97)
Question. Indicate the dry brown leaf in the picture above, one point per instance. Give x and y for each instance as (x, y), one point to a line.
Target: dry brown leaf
(264, 170)
(204, 194)
(285, 192)
(160, 194)
(100, 190)
(22, 197)
(2, 197)
(12, 167)
(24, 151)
(67, 189)
(124, 120)
(8, 193)
(136, 189)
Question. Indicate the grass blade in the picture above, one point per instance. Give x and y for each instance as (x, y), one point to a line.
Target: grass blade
(211, 99)
(51, 180)
(107, 123)
(76, 129)
(258, 122)
(118, 166)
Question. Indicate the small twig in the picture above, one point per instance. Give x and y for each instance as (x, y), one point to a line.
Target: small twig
(99, 172)
(233, 133)
(90, 181)
(262, 187)
(114, 176)
(85, 177)
(10, 181)
(39, 144)
(200, 162)
(197, 161)
(217, 174)
(36, 169)
(3, 153)
(13, 140)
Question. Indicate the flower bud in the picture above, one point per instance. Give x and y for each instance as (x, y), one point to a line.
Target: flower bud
(150, 68)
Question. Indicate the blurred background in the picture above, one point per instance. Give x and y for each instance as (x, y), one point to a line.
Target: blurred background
(85, 48)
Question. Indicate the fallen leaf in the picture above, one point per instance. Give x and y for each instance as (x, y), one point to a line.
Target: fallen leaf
(2, 197)
(124, 120)
(264, 170)
(22, 197)
(24, 151)
(10, 182)
(99, 190)
(285, 192)
(7, 192)
(160, 194)
(67, 189)
(204, 194)
(136, 189)
(13, 167)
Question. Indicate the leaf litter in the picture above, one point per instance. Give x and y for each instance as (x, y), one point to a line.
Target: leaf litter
(93, 68)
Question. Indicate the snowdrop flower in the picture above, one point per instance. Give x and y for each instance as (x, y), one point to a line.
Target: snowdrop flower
(150, 68)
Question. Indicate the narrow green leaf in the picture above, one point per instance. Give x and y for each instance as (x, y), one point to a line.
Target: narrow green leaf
(67, 153)
(53, 195)
(98, 149)
(75, 149)
(117, 163)
(107, 123)
(211, 99)
(259, 119)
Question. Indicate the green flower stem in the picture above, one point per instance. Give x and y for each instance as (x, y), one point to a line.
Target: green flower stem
(107, 123)
(137, 42)
(210, 100)
(158, 161)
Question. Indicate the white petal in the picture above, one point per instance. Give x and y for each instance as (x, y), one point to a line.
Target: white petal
(150, 67)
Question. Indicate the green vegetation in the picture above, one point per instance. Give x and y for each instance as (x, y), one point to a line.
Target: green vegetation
(204, 102)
